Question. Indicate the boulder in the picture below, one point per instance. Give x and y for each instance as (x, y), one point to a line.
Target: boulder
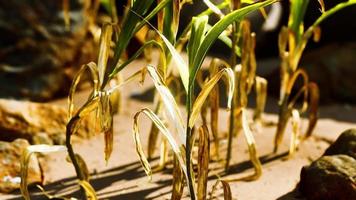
(39, 54)
(333, 176)
(39, 123)
(329, 178)
(10, 154)
(345, 144)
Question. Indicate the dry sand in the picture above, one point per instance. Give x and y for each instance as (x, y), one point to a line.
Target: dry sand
(123, 177)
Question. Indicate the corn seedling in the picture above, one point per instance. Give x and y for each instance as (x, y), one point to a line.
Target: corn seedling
(100, 101)
(242, 45)
(176, 131)
(199, 43)
(292, 42)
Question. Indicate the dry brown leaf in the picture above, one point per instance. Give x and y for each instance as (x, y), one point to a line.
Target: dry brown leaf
(203, 162)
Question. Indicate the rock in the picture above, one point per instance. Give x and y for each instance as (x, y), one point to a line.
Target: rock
(345, 144)
(38, 55)
(329, 178)
(10, 154)
(37, 122)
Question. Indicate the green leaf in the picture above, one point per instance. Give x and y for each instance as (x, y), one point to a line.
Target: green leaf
(197, 32)
(297, 12)
(215, 32)
(333, 10)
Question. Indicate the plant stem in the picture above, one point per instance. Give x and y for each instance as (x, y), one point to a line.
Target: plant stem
(70, 126)
(283, 117)
(232, 110)
(188, 143)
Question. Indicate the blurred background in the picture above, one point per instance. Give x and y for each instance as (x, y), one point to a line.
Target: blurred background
(40, 54)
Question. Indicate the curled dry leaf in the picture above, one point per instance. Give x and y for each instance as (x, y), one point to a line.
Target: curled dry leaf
(203, 162)
(95, 78)
(166, 133)
(227, 190)
(251, 146)
(89, 190)
(313, 108)
(322, 5)
(25, 158)
(104, 51)
(53, 197)
(178, 180)
(261, 97)
(295, 132)
(198, 103)
(214, 108)
(171, 106)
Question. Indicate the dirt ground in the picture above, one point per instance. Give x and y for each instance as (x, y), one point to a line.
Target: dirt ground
(123, 177)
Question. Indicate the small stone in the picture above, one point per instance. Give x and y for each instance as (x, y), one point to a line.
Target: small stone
(39, 123)
(329, 178)
(344, 144)
(10, 166)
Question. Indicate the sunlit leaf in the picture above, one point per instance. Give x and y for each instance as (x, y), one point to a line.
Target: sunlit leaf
(180, 64)
(95, 78)
(171, 106)
(251, 146)
(297, 12)
(214, 8)
(295, 132)
(166, 133)
(104, 50)
(216, 30)
(322, 5)
(206, 90)
(25, 161)
(89, 190)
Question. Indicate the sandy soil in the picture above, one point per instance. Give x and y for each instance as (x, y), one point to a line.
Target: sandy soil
(124, 178)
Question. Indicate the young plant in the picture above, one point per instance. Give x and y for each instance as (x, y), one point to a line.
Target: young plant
(199, 43)
(100, 101)
(242, 45)
(292, 42)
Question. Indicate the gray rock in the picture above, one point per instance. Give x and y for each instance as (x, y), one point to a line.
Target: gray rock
(345, 144)
(329, 178)
(10, 167)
